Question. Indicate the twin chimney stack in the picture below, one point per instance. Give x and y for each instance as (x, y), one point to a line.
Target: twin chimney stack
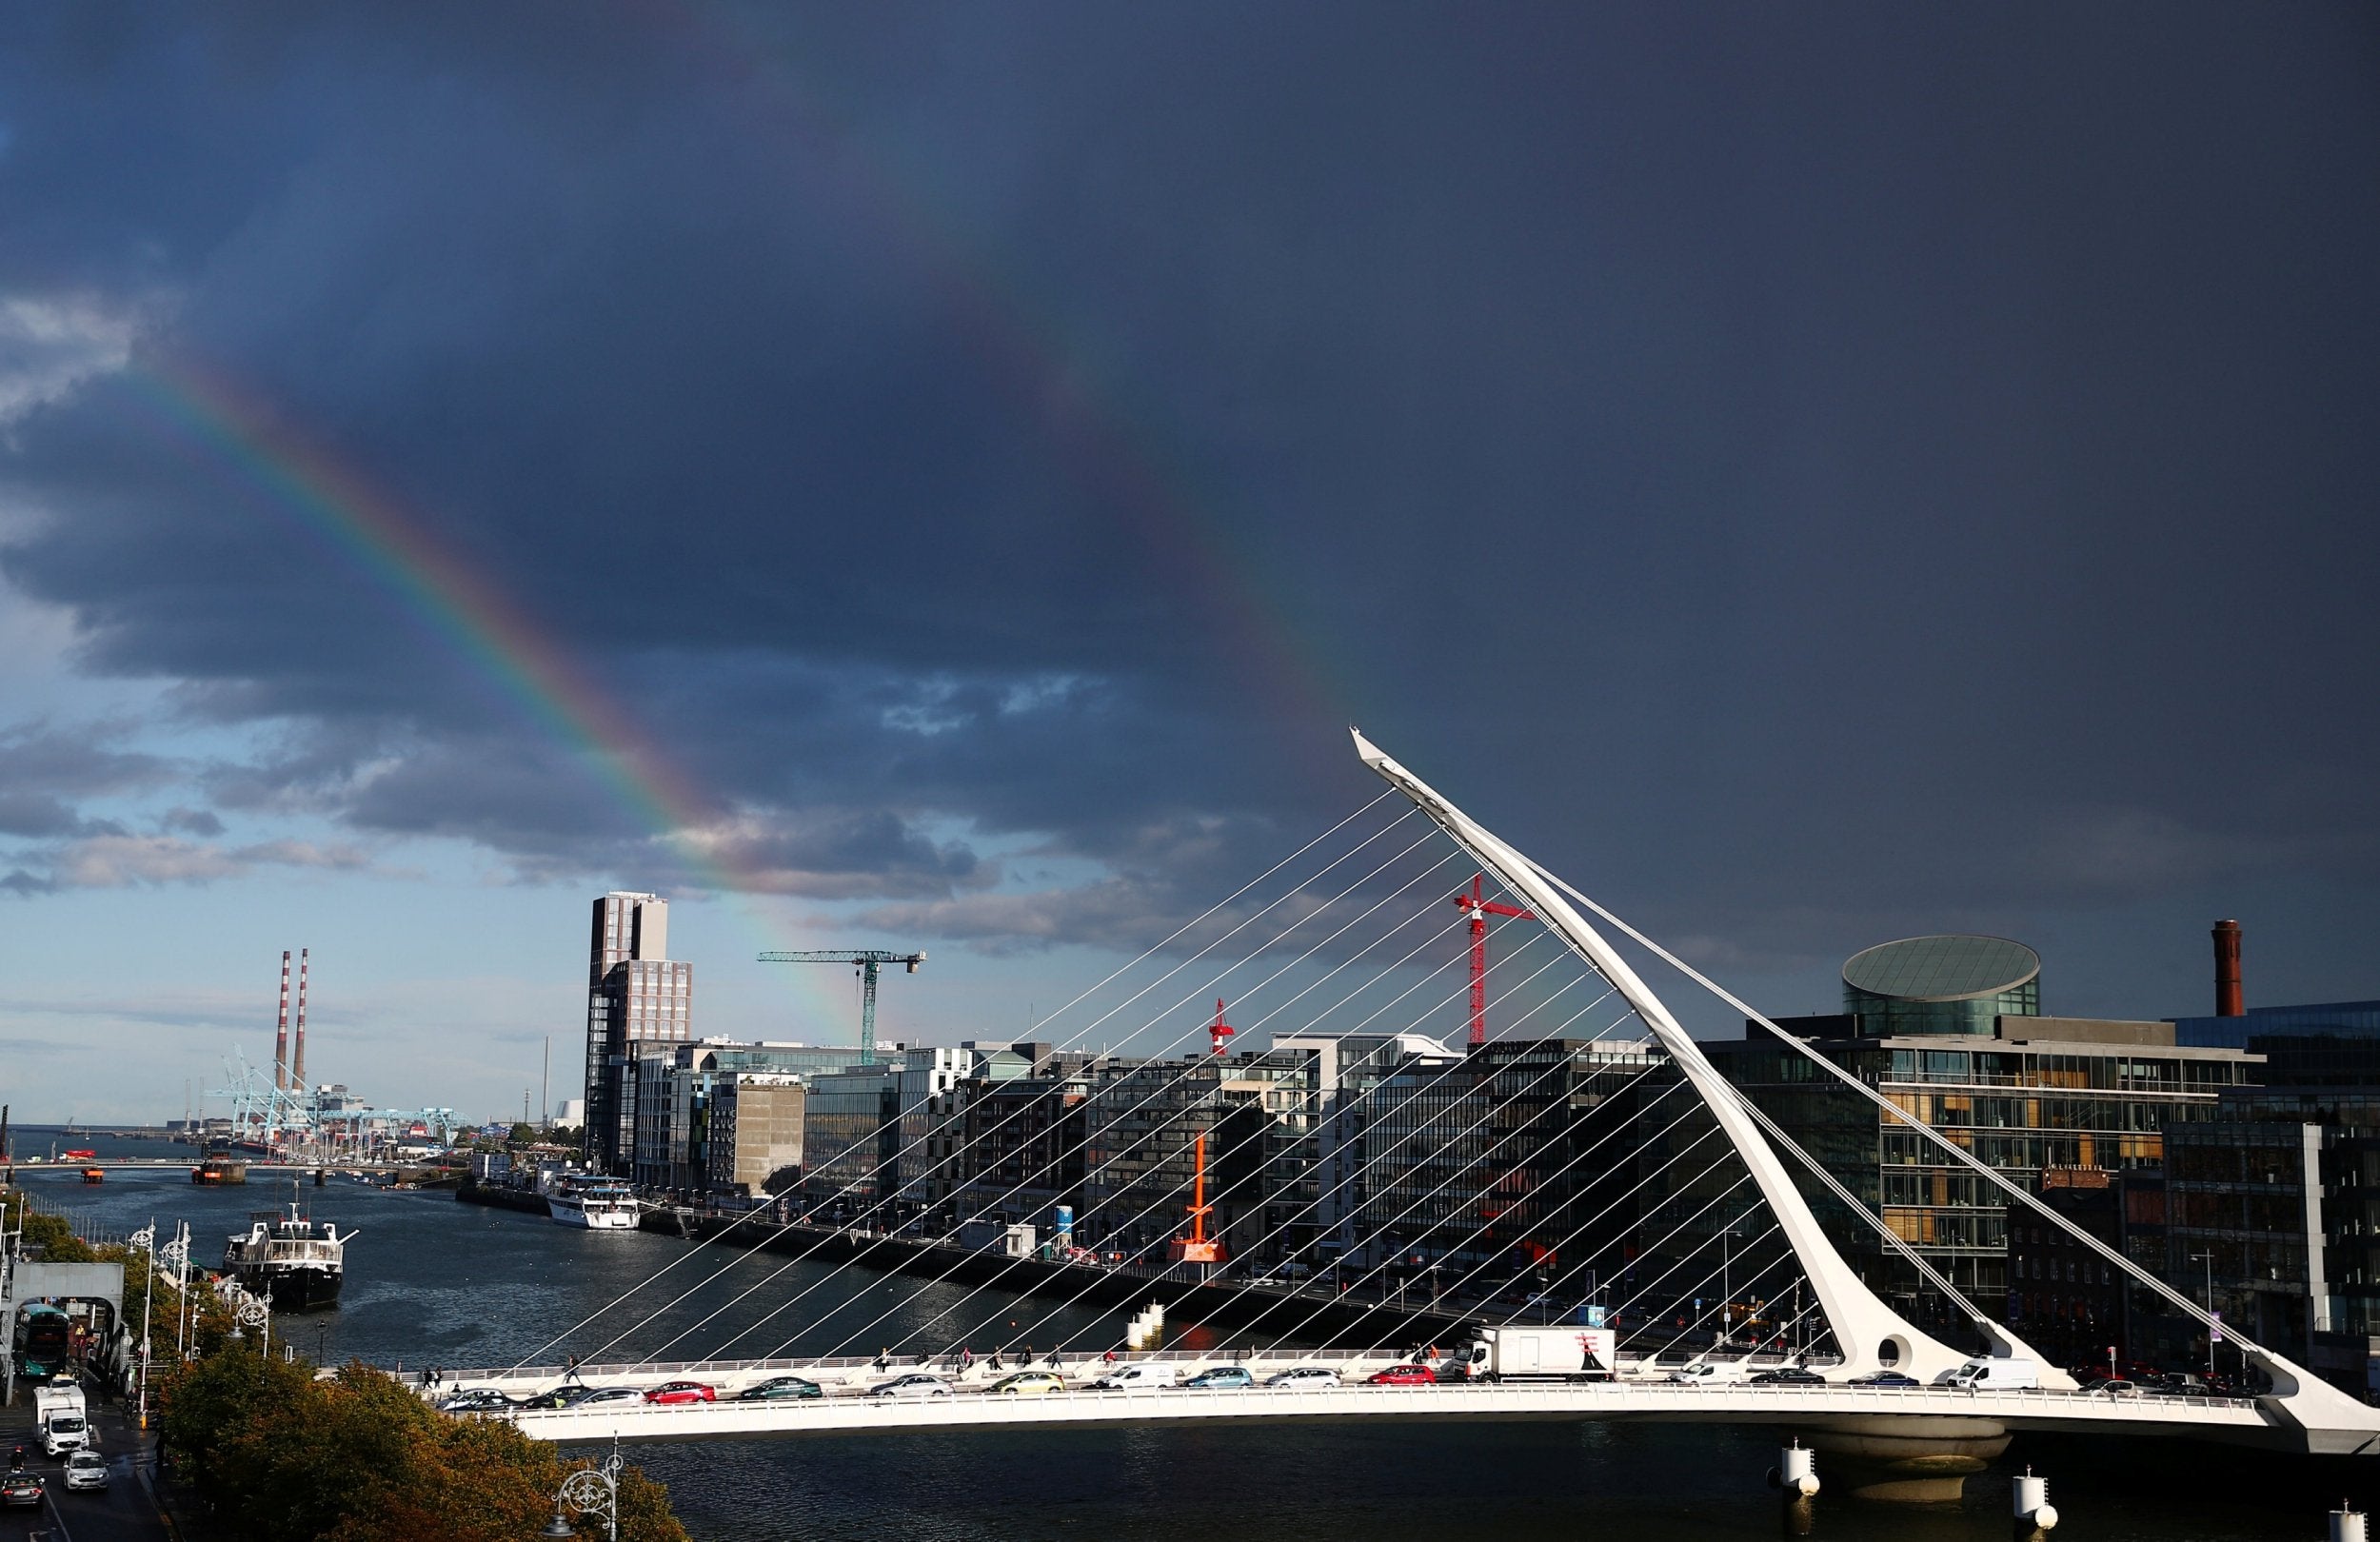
(288, 1067)
(2227, 1001)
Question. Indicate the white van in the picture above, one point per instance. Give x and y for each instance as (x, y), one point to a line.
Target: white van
(1996, 1375)
(1707, 1373)
(1140, 1374)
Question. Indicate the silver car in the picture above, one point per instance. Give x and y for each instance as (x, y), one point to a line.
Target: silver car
(85, 1469)
(1305, 1376)
(917, 1384)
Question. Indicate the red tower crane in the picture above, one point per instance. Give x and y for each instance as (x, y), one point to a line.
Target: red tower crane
(1480, 909)
(1220, 1029)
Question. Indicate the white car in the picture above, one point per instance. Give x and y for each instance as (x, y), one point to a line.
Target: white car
(1305, 1376)
(85, 1469)
(917, 1384)
(1142, 1374)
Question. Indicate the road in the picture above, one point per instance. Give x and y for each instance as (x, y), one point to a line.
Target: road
(122, 1512)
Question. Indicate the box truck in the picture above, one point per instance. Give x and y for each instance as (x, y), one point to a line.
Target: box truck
(1505, 1354)
(59, 1414)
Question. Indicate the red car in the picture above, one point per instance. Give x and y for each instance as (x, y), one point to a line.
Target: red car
(1404, 1376)
(682, 1391)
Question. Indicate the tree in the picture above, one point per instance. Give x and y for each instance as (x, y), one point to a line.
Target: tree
(357, 1457)
(523, 1134)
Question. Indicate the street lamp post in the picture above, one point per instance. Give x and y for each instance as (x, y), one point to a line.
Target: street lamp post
(590, 1490)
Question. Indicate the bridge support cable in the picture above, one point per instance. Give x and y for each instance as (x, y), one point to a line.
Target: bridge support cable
(1257, 1247)
(1162, 1089)
(2288, 1376)
(1869, 1332)
(1657, 1176)
(1183, 1074)
(1997, 1335)
(1477, 1233)
(1169, 1192)
(771, 1232)
(1454, 1067)
(1406, 1324)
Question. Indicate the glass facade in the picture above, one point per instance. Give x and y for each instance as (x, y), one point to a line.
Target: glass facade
(2020, 1108)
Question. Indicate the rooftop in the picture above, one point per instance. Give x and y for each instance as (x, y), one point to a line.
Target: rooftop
(1942, 968)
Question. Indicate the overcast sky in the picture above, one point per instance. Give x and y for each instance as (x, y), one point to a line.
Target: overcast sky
(947, 477)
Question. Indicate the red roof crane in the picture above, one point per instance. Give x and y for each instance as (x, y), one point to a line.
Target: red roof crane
(1480, 909)
(1221, 1030)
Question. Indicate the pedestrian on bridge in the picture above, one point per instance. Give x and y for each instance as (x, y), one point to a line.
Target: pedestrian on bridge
(883, 1358)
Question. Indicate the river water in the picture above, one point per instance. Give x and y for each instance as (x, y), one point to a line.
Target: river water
(432, 1281)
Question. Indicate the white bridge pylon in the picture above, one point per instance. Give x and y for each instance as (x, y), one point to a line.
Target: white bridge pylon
(1870, 1334)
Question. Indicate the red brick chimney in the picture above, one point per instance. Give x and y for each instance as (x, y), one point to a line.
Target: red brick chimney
(2228, 1002)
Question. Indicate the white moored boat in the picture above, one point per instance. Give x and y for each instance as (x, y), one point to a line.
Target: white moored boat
(598, 1204)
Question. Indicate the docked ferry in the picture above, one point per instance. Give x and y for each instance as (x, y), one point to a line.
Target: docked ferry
(598, 1204)
(295, 1261)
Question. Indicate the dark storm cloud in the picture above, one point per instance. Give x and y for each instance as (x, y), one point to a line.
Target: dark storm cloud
(1809, 468)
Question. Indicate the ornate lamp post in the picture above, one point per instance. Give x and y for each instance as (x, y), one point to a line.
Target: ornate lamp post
(590, 1490)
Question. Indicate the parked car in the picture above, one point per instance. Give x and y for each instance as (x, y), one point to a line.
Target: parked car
(917, 1384)
(85, 1469)
(1883, 1378)
(2112, 1387)
(776, 1388)
(682, 1391)
(1788, 1376)
(610, 1395)
(1222, 1378)
(1303, 1375)
(1404, 1376)
(21, 1489)
(476, 1400)
(570, 1395)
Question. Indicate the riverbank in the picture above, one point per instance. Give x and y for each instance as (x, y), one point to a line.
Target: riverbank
(1229, 1308)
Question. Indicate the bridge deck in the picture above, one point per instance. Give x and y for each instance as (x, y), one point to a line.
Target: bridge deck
(1810, 1407)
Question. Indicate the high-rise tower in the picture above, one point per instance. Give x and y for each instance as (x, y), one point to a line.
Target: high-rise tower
(635, 996)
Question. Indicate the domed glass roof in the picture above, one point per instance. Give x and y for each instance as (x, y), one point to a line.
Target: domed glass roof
(1942, 968)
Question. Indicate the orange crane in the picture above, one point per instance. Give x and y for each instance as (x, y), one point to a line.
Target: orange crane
(1480, 908)
(1197, 1248)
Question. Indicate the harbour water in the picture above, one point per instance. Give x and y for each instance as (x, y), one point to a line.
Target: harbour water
(434, 1282)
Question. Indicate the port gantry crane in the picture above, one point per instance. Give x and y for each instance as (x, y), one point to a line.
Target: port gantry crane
(868, 961)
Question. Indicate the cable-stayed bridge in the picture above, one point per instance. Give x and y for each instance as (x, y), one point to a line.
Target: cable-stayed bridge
(1620, 1172)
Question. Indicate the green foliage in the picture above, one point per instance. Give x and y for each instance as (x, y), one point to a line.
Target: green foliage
(355, 1458)
(53, 1237)
(523, 1134)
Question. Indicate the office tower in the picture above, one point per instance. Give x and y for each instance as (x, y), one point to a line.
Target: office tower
(636, 997)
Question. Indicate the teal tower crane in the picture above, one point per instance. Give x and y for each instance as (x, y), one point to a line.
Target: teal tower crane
(868, 961)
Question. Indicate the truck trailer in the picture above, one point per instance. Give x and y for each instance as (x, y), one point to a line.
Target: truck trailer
(1505, 1354)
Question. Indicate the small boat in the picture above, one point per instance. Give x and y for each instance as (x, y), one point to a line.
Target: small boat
(80, 1156)
(94, 1175)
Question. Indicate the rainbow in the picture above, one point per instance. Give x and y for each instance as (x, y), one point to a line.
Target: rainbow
(368, 527)
(1115, 454)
